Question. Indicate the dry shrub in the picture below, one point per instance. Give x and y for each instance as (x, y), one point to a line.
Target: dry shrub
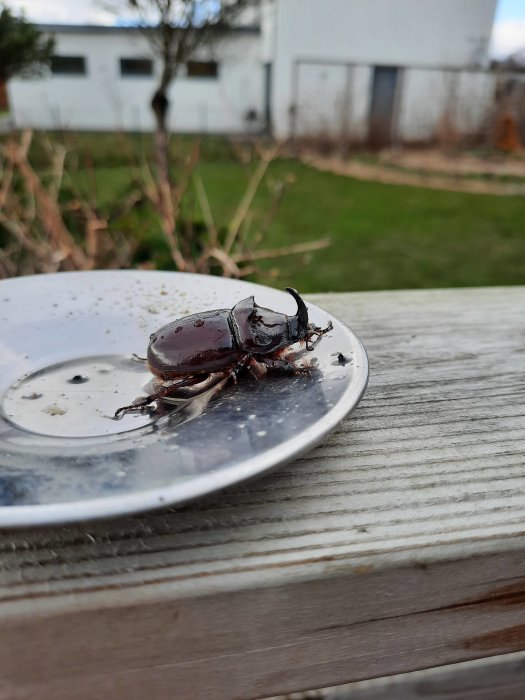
(42, 232)
(448, 137)
(47, 224)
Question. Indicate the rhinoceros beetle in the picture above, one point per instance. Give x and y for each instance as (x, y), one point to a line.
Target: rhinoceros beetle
(193, 354)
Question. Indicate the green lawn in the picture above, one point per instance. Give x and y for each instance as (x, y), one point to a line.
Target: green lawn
(387, 236)
(383, 236)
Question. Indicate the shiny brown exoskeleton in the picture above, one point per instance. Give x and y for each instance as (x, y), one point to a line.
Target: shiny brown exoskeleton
(197, 352)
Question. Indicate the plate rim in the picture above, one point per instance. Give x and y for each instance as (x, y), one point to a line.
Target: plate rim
(179, 494)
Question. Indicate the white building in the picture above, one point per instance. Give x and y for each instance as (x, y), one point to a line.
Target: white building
(103, 78)
(378, 69)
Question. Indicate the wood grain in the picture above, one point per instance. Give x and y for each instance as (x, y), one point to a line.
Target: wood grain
(397, 545)
(496, 678)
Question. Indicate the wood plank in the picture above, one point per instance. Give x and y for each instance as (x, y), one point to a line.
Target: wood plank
(397, 545)
(496, 678)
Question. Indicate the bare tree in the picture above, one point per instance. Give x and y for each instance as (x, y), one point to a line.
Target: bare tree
(176, 30)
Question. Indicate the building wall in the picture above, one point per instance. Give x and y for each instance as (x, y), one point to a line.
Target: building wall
(333, 102)
(105, 100)
(334, 33)
(322, 57)
(331, 99)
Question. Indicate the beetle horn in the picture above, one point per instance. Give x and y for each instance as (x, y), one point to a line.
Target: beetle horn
(302, 313)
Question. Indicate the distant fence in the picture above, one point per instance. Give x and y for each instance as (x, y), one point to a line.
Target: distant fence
(351, 103)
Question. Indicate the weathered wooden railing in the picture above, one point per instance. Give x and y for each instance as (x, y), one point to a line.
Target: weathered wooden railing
(397, 545)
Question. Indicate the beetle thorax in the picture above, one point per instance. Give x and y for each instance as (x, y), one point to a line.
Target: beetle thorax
(257, 330)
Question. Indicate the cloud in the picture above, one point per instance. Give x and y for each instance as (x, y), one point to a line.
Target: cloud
(60, 12)
(507, 37)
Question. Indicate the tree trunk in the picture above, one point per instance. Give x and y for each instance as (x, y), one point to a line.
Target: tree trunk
(160, 105)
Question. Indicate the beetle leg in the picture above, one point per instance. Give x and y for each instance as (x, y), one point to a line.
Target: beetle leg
(284, 365)
(212, 380)
(257, 369)
(243, 362)
(137, 358)
(164, 390)
(185, 389)
(316, 331)
(189, 392)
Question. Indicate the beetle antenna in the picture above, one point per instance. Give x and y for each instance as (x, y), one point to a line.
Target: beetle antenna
(302, 312)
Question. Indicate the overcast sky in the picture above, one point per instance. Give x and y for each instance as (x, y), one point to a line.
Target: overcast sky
(508, 34)
(64, 11)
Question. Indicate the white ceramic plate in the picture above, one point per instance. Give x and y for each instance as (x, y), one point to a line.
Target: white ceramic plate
(66, 365)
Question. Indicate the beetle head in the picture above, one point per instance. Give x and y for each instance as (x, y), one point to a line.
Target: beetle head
(298, 324)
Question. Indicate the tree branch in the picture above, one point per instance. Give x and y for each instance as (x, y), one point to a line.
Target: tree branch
(249, 256)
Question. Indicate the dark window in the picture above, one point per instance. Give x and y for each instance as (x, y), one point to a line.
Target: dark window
(68, 65)
(136, 66)
(202, 69)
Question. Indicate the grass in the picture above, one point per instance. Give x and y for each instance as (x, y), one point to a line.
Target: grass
(383, 236)
(395, 237)
(118, 149)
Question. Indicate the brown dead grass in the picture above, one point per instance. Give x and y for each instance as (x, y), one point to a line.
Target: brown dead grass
(432, 169)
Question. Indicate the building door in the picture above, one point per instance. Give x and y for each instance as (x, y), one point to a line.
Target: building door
(382, 106)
